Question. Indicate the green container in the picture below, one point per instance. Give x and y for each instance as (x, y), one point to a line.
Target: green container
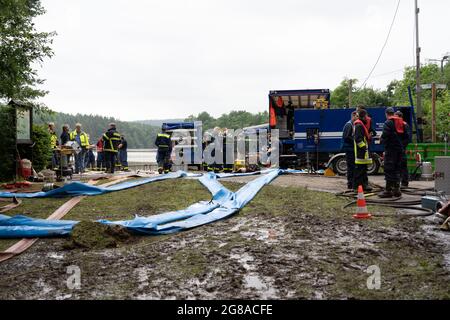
(436, 149)
(428, 152)
(412, 150)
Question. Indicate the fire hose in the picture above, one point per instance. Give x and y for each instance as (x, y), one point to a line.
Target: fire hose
(393, 203)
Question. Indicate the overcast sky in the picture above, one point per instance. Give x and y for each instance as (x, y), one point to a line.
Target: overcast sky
(148, 59)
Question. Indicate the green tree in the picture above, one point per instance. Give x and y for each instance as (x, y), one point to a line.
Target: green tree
(21, 48)
(339, 96)
(429, 73)
(7, 143)
(232, 120)
(40, 153)
(359, 96)
(138, 135)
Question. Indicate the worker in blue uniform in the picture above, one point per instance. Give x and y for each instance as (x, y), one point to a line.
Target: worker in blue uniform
(405, 139)
(164, 144)
(361, 141)
(123, 153)
(111, 141)
(227, 146)
(393, 129)
(348, 148)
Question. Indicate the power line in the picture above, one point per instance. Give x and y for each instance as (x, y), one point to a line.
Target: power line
(384, 45)
(387, 73)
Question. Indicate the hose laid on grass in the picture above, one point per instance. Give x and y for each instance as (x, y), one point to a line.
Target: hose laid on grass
(15, 203)
(393, 203)
(23, 244)
(425, 212)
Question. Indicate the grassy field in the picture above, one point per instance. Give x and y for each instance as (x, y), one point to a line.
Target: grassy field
(295, 242)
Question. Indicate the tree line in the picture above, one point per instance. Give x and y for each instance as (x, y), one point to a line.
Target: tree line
(138, 135)
(232, 120)
(142, 135)
(396, 94)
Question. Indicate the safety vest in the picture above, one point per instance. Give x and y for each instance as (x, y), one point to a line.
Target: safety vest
(53, 140)
(83, 138)
(368, 124)
(362, 159)
(399, 124)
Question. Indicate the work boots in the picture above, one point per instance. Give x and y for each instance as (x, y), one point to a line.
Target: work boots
(387, 193)
(396, 190)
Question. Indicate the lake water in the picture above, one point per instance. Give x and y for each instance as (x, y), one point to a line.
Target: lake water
(142, 155)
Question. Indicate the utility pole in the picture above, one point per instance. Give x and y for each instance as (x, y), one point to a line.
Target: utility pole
(418, 88)
(445, 57)
(350, 87)
(433, 112)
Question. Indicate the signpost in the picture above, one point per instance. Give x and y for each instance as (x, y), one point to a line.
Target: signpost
(23, 114)
(23, 124)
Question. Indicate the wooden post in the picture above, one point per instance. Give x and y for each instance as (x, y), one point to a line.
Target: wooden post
(350, 88)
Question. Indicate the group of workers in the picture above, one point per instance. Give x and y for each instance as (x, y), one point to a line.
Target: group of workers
(222, 134)
(357, 134)
(111, 149)
(164, 144)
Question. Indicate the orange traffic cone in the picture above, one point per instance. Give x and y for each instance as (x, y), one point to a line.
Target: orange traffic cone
(361, 211)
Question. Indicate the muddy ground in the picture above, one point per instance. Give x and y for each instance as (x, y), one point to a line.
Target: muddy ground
(290, 242)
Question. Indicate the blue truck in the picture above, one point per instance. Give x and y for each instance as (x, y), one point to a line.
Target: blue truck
(311, 132)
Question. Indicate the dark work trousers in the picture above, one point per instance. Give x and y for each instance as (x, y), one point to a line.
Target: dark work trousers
(110, 159)
(100, 160)
(350, 159)
(163, 159)
(227, 167)
(123, 158)
(360, 176)
(393, 165)
(404, 169)
(55, 160)
(79, 160)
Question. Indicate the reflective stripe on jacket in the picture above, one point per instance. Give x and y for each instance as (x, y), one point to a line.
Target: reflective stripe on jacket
(361, 144)
(53, 140)
(111, 140)
(83, 138)
(163, 141)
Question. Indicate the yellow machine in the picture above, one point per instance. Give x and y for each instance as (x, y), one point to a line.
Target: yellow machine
(321, 103)
(239, 165)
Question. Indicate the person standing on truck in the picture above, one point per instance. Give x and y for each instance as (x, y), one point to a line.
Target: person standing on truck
(405, 139)
(393, 129)
(348, 148)
(164, 144)
(361, 140)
